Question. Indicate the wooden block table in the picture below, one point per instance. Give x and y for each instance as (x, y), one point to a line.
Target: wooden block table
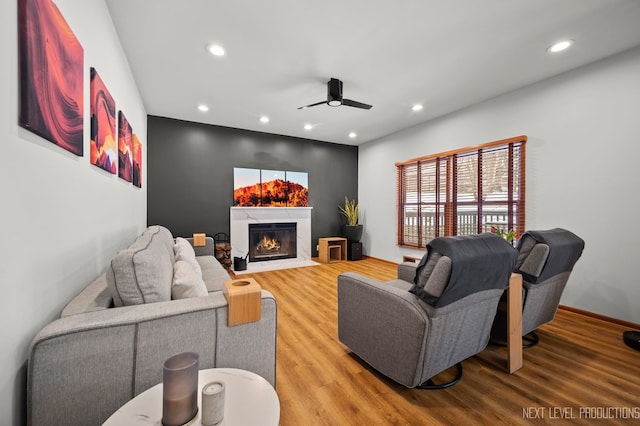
(245, 301)
(411, 258)
(332, 249)
(199, 240)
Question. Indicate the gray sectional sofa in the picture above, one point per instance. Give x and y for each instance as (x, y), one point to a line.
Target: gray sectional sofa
(111, 340)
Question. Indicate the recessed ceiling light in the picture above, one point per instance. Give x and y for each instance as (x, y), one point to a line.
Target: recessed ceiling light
(352, 135)
(308, 126)
(203, 108)
(264, 119)
(417, 107)
(216, 50)
(560, 46)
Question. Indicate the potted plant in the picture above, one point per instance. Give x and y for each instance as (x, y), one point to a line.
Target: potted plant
(352, 231)
(511, 236)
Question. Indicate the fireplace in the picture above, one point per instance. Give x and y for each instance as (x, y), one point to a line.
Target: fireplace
(241, 217)
(272, 241)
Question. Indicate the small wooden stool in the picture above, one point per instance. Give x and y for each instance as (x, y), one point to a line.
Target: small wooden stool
(332, 249)
(245, 301)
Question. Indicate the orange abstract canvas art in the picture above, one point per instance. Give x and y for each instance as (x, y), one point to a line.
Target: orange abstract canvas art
(51, 75)
(137, 161)
(103, 125)
(125, 144)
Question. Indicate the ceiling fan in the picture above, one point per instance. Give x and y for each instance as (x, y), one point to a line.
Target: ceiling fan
(334, 97)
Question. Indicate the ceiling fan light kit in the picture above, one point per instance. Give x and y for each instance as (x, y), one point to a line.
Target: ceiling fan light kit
(335, 99)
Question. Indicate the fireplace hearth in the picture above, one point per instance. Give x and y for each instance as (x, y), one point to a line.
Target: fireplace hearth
(272, 241)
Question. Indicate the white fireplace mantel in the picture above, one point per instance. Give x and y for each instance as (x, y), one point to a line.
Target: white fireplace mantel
(241, 217)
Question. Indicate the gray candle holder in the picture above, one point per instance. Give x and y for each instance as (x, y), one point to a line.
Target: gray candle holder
(180, 389)
(213, 403)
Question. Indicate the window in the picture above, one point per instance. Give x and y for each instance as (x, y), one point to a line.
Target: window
(462, 192)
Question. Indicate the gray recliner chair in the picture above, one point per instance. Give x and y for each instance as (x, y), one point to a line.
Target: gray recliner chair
(434, 316)
(545, 260)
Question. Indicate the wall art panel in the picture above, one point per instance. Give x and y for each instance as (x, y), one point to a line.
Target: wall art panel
(125, 136)
(103, 126)
(137, 161)
(51, 75)
(270, 188)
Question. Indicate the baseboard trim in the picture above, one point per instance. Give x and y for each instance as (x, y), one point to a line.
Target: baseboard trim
(600, 317)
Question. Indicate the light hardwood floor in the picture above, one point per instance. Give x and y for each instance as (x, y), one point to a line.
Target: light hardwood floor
(580, 364)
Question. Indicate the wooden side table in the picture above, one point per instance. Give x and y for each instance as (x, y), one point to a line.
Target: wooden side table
(245, 300)
(332, 249)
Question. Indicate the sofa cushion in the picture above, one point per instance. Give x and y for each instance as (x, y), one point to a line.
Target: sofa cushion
(187, 282)
(143, 272)
(213, 273)
(184, 251)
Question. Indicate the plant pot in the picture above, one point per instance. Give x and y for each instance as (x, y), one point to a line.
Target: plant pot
(353, 233)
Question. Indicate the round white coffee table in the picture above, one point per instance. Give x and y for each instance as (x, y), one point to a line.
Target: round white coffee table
(249, 400)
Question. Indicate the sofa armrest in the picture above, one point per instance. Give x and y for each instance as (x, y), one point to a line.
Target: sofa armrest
(382, 324)
(104, 358)
(208, 249)
(94, 297)
(407, 271)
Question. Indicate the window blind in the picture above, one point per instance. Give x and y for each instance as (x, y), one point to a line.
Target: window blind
(462, 192)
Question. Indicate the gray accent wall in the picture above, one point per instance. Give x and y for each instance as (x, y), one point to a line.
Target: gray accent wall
(190, 174)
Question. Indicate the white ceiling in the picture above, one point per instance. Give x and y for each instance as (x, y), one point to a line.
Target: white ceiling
(446, 54)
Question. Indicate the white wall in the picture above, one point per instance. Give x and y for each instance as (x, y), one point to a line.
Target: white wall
(582, 158)
(62, 218)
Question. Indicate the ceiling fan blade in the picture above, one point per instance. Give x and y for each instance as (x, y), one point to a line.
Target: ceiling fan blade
(349, 102)
(312, 105)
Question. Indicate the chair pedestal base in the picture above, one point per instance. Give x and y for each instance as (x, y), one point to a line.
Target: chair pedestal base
(531, 340)
(430, 385)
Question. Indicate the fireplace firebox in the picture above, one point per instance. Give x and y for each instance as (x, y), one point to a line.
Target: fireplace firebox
(272, 241)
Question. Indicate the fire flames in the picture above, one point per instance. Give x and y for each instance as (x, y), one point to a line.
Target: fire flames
(268, 245)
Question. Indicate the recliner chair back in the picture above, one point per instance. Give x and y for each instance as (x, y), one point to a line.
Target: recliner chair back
(545, 260)
(413, 337)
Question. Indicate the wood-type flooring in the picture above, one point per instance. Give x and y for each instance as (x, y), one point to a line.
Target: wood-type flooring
(581, 372)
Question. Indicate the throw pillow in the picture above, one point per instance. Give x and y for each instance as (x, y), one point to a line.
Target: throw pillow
(184, 251)
(439, 277)
(187, 282)
(424, 270)
(525, 245)
(142, 273)
(535, 261)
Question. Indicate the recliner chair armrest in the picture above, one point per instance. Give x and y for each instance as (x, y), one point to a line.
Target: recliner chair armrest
(407, 271)
(382, 324)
